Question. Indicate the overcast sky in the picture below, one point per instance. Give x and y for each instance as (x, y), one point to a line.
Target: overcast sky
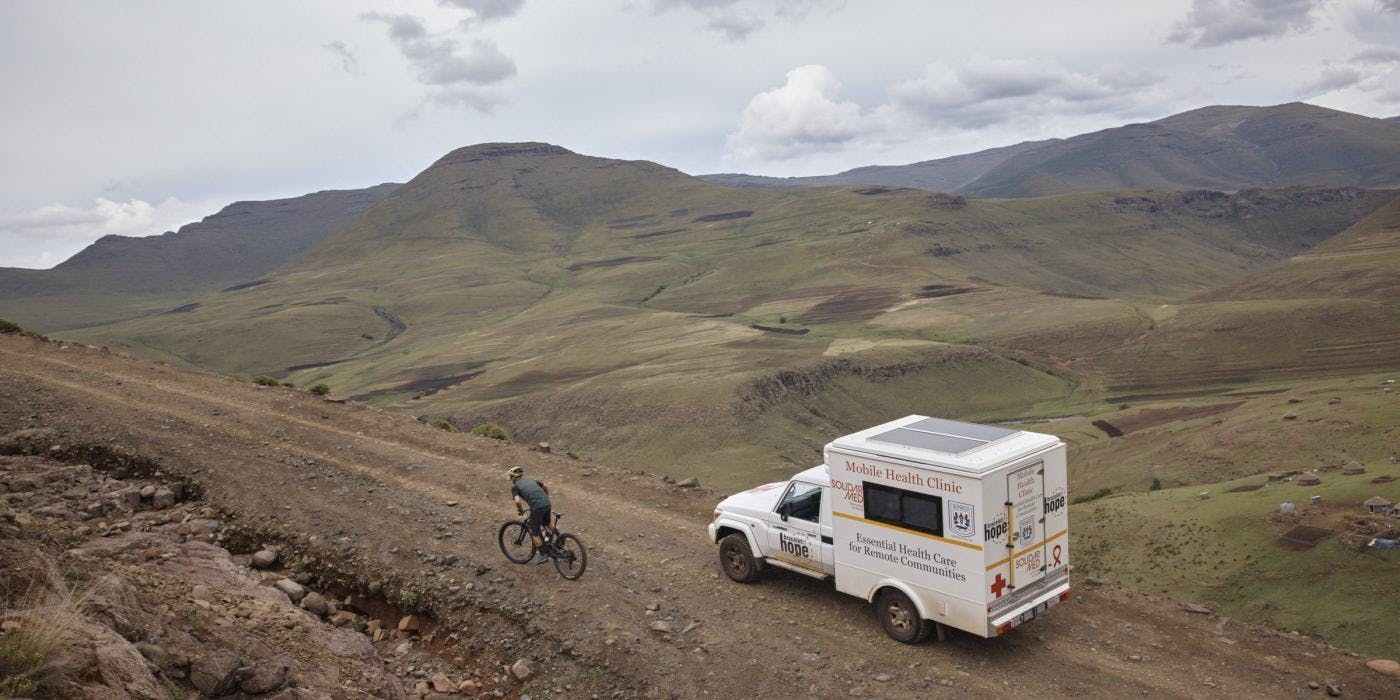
(135, 117)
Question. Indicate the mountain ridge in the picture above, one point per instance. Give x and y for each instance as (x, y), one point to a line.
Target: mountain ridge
(1221, 147)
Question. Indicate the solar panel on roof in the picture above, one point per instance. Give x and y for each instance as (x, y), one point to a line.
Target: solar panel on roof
(929, 441)
(984, 433)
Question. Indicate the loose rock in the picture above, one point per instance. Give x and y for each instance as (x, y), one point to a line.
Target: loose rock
(1385, 667)
(316, 604)
(265, 559)
(524, 668)
(294, 590)
(215, 675)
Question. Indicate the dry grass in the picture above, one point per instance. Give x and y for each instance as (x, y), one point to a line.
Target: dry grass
(37, 648)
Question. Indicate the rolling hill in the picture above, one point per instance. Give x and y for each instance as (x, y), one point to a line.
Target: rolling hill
(627, 310)
(1221, 147)
(122, 277)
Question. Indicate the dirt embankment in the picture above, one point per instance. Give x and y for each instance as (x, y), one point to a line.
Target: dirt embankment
(361, 496)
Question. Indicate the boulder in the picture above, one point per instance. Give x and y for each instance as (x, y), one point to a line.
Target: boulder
(267, 675)
(316, 604)
(524, 668)
(129, 499)
(216, 674)
(343, 618)
(690, 483)
(148, 491)
(264, 559)
(163, 498)
(1385, 667)
(294, 590)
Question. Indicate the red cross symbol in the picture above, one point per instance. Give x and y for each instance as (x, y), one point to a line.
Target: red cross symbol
(999, 585)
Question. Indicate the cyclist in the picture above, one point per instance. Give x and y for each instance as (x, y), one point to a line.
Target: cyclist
(528, 493)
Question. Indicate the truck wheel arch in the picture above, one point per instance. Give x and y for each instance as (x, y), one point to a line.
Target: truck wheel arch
(727, 528)
(902, 588)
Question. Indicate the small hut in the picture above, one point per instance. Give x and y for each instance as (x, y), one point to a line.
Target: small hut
(1353, 469)
(1376, 504)
(1309, 480)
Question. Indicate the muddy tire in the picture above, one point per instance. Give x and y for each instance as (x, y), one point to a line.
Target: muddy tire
(901, 618)
(736, 558)
(516, 542)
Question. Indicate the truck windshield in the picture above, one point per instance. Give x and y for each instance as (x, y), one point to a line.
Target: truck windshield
(803, 501)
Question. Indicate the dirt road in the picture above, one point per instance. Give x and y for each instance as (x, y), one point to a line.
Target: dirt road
(364, 495)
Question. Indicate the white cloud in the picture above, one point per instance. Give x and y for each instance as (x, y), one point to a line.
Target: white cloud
(982, 92)
(804, 115)
(1218, 22)
(1331, 79)
(43, 236)
(349, 62)
(736, 20)
(487, 10)
(456, 73)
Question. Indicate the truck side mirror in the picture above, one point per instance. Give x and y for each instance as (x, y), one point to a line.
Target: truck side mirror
(783, 511)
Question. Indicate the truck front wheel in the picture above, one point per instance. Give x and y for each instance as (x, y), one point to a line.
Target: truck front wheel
(900, 618)
(736, 558)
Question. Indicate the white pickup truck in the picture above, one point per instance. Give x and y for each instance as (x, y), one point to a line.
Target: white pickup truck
(939, 523)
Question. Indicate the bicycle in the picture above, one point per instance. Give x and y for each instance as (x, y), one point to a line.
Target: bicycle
(570, 558)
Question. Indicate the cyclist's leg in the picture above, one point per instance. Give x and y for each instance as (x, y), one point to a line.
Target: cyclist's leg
(539, 517)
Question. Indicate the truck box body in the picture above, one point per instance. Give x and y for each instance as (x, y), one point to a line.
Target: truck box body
(970, 521)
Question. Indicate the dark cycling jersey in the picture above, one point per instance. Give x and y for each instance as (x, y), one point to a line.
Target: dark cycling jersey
(530, 491)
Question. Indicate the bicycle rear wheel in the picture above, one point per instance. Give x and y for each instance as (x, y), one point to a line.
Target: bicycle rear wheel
(570, 558)
(516, 542)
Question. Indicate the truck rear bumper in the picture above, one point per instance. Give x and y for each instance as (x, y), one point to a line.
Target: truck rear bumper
(1021, 614)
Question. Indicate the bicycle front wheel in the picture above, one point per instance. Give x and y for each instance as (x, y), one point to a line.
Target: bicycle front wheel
(570, 558)
(516, 542)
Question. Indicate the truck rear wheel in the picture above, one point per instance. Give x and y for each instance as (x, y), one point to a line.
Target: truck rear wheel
(901, 618)
(736, 558)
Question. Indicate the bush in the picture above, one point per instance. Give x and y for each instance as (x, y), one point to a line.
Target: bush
(491, 430)
(9, 327)
(21, 660)
(264, 380)
(443, 424)
(375, 587)
(299, 567)
(408, 600)
(1156, 485)
(320, 389)
(1093, 496)
(289, 385)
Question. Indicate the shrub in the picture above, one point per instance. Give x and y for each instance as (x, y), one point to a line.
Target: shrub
(9, 327)
(264, 380)
(21, 660)
(289, 385)
(443, 424)
(320, 389)
(1093, 496)
(491, 430)
(1156, 485)
(299, 567)
(40, 654)
(375, 587)
(782, 319)
(408, 600)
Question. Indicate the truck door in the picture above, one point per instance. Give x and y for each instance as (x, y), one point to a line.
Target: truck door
(1025, 490)
(794, 531)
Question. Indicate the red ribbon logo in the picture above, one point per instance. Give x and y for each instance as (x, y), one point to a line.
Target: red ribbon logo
(1056, 554)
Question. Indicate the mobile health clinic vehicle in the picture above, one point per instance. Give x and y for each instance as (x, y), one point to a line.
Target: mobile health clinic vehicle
(939, 523)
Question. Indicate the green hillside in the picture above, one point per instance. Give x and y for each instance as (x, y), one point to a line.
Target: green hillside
(121, 277)
(633, 313)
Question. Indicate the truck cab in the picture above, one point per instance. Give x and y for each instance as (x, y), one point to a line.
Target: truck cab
(786, 524)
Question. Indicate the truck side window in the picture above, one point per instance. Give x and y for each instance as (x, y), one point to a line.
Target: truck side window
(909, 509)
(804, 502)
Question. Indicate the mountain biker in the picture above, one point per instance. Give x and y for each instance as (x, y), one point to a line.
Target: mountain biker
(528, 493)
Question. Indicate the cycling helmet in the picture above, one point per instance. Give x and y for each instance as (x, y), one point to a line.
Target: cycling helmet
(516, 473)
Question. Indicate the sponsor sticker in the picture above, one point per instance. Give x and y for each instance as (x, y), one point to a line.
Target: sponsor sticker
(961, 517)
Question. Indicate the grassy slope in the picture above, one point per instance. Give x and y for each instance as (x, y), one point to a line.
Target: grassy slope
(1225, 551)
(602, 306)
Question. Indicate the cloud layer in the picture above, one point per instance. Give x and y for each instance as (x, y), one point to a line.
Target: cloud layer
(456, 72)
(1217, 22)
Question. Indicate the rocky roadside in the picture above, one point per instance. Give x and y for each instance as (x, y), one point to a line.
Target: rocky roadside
(121, 588)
